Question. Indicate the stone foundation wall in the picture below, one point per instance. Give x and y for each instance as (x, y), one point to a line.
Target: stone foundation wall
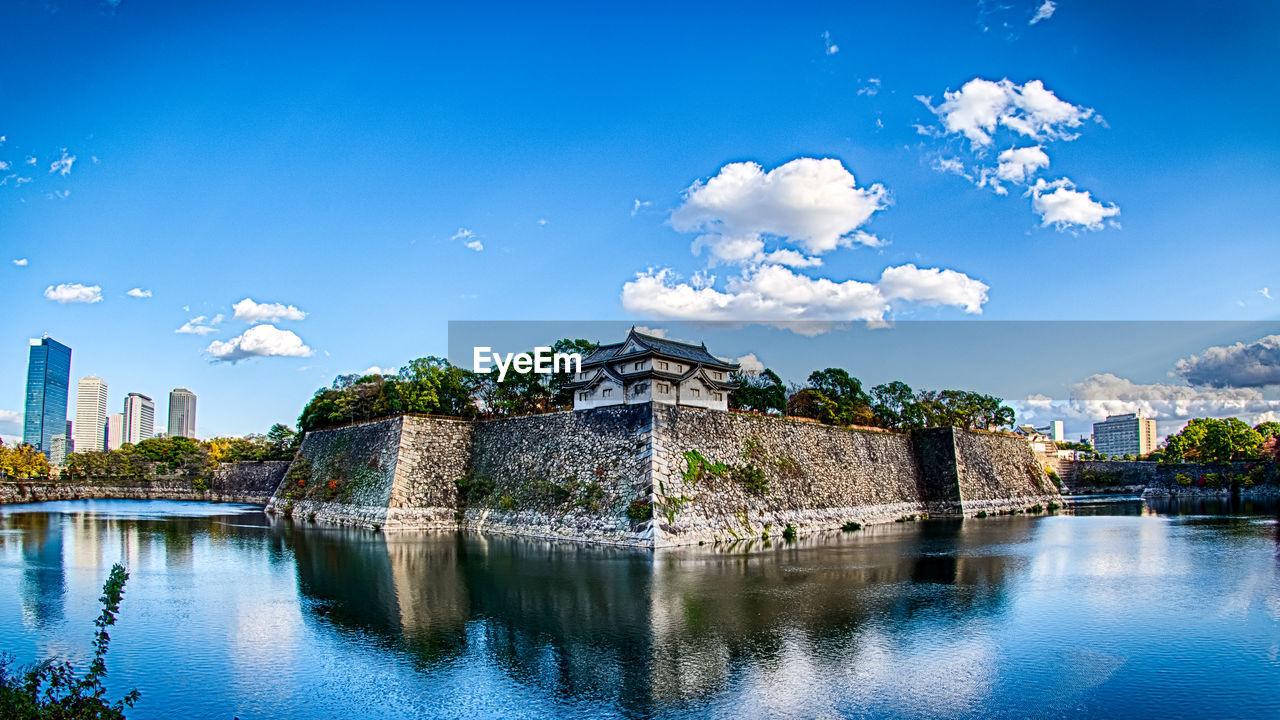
(777, 472)
(566, 474)
(649, 475)
(241, 482)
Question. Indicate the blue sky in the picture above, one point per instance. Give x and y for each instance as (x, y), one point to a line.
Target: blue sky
(348, 160)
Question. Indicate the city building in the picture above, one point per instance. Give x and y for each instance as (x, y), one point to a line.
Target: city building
(139, 418)
(1120, 435)
(91, 415)
(1055, 430)
(48, 383)
(182, 413)
(643, 368)
(58, 450)
(115, 431)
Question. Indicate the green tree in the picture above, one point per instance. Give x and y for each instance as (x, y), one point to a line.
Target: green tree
(762, 392)
(1213, 440)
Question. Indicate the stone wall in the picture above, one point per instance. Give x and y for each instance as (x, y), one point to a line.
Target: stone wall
(1151, 478)
(342, 475)
(241, 482)
(649, 475)
(566, 474)
(998, 472)
(814, 476)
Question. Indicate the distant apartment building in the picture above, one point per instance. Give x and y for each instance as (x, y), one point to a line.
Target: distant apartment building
(182, 413)
(91, 415)
(58, 450)
(48, 383)
(115, 431)
(1129, 434)
(139, 418)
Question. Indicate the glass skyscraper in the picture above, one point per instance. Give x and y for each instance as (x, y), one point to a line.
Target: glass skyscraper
(48, 377)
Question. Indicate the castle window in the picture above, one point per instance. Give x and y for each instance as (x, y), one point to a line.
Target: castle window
(582, 396)
(663, 389)
(641, 388)
(718, 375)
(607, 392)
(696, 392)
(639, 365)
(663, 366)
(719, 396)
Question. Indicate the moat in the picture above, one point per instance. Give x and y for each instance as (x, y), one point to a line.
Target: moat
(1117, 609)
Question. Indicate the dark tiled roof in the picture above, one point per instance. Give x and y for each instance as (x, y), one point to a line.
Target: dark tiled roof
(668, 348)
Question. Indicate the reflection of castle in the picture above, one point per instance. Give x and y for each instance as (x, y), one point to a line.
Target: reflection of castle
(643, 368)
(645, 630)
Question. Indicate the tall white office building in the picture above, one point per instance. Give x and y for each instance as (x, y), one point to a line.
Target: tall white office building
(115, 431)
(139, 418)
(91, 415)
(182, 413)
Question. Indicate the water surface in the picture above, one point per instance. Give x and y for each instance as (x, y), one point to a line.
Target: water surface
(1123, 609)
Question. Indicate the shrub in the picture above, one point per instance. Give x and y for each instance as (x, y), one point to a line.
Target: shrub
(506, 503)
(751, 477)
(1053, 477)
(789, 532)
(851, 526)
(1036, 509)
(639, 511)
(1053, 506)
(981, 514)
(592, 494)
(1182, 479)
(474, 489)
(200, 485)
(1213, 480)
(698, 467)
(52, 690)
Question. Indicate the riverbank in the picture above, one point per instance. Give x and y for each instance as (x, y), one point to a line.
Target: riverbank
(243, 482)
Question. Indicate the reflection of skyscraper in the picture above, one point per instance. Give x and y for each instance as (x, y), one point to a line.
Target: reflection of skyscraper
(182, 413)
(91, 415)
(139, 418)
(48, 377)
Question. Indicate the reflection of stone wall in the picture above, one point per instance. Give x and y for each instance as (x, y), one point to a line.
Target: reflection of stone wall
(576, 474)
(1157, 479)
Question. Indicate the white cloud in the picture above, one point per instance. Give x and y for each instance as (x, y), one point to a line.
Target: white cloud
(471, 240)
(10, 419)
(1251, 365)
(832, 48)
(542, 221)
(1017, 165)
(871, 89)
(259, 341)
(813, 203)
(4, 165)
(20, 262)
(775, 293)
(980, 106)
(377, 370)
(1065, 207)
(934, 286)
(655, 332)
(1044, 12)
(1100, 395)
(139, 293)
(750, 364)
(62, 165)
(640, 204)
(74, 293)
(31, 160)
(1264, 292)
(253, 312)
(198, 325)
